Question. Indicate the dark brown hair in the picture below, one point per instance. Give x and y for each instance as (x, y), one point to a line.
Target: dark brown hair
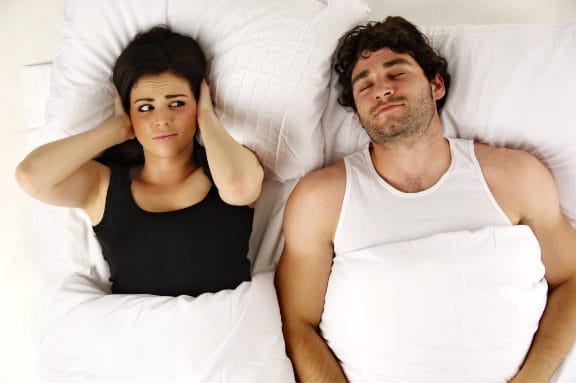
(395, 33)
(153, 52)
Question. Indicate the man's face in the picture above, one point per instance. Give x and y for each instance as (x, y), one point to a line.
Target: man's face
(393, 97)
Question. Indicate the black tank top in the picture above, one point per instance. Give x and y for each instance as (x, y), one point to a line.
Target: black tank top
(201, 248)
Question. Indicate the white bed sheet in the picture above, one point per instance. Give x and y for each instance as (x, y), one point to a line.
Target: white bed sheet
(229, 336)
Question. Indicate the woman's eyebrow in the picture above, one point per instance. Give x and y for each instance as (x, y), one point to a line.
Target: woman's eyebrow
(169, 96)
(144, 99)
(150, 99)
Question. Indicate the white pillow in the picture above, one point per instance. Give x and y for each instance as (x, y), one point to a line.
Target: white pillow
(512, 85)
(81, 94)
(269, 65)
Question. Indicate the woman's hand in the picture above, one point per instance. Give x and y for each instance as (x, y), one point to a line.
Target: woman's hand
(235, 169)
(204, 106)
(122, 121)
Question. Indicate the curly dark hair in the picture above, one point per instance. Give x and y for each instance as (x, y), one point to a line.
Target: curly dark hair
(395, 33)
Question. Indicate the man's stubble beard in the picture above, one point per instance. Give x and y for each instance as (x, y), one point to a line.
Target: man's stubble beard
(413, 125)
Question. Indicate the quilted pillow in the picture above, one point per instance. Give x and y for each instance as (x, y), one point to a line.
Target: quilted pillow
(269, 67)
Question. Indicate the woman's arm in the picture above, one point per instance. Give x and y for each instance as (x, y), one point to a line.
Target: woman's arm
(62, 172)
(235, 169)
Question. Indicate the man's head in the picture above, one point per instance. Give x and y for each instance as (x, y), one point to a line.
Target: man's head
(394, 33)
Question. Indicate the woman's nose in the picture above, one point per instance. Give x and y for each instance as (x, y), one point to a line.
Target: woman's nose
(160, 123)
(161, 119)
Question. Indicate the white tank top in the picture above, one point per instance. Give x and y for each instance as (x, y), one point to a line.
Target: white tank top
(374, 212)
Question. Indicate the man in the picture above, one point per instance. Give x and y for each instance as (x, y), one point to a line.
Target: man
(396, 83)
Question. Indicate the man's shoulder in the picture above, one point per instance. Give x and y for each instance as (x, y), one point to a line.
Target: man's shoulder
(501, 159)
(326, 177)
(518, 180)
(320, 188)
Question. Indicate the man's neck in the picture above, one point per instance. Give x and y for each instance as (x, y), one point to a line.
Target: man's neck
(413, 166)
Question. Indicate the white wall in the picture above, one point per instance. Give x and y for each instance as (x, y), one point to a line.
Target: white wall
(456, 12)
(29, 31)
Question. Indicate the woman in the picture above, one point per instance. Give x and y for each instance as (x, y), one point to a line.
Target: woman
(171, 217)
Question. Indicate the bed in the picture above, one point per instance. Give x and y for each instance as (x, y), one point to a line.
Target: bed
(274, 90)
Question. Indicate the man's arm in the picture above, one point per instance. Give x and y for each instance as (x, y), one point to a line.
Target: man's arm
(310, 220)
(557, 329)
(527, 192)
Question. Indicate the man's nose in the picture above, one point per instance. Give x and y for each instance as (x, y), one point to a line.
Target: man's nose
(383, 88)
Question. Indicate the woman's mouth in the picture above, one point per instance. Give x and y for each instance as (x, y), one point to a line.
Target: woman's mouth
(164, 136)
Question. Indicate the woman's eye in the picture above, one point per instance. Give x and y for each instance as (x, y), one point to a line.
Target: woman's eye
(145, 108)
(177, 104)
(397, 75)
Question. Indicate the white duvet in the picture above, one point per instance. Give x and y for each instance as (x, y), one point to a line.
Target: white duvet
(453, 307)
(229, 336)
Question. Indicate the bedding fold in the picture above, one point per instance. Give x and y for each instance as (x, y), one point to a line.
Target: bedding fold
(453, 307)
(229, 336)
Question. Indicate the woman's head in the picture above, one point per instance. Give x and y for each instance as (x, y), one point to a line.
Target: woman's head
(156, 51)
(394, 33)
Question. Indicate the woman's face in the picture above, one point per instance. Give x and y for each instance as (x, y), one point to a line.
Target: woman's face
(163, 114)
